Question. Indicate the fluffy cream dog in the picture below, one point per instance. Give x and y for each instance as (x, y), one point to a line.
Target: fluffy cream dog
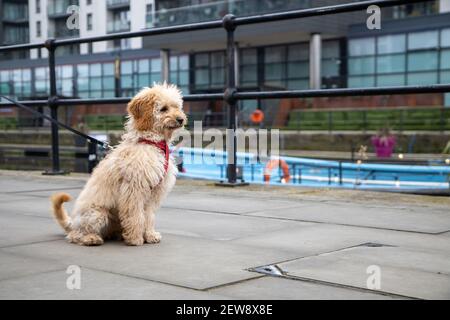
(128, 185)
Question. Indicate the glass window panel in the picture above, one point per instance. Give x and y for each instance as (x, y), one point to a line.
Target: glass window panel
(173, 77)
(4, 88)
(156, 65)
(423, 61)
(249, 56)
(217, 59)
(66, 86)
(95, 83)
(445, 59)
(83, 70)
(422, 78)
(173, 63)
(126, 67)
(445, 77)
(297, 52)
(95, 94)
(392, 44)
(362, 47)
(17, 75)
(67, 71)
(423, 40)
(4, 76)
(108, 94)
(27, 88)
(361, 65)
(361, 82)
(445, 38)
(41, 86)
(108, 69)
(96, 70)
(144, 80)
(183, 62)
(298, 84)
(249, 73)
(275, 84)
(391, 64)
(202, 60)
(274, 71)
(155, 77)
(83, 94)
(330, 49)
(83, 84)
(330, 67)
(143, 66)
(201, 77)
(218, 76)
(274, 54)
(26, 74)
(298, 69)
(108, 83)
(183, 78)
(391, 80)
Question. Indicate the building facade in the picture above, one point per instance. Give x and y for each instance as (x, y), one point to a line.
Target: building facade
(412, 47)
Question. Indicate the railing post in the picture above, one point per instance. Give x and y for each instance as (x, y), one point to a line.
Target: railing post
(53, 105)
(231, 101)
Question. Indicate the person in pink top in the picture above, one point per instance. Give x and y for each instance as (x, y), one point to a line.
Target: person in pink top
(383, 143)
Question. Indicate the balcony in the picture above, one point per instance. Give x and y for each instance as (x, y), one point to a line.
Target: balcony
(116, 4)
(58, 8)
(118, 26)
(63, 33)
(15, 12)
(216, 10)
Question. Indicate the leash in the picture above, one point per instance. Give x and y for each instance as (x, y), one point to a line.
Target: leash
(88, 138)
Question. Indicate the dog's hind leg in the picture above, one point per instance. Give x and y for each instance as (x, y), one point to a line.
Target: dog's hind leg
(90, 228)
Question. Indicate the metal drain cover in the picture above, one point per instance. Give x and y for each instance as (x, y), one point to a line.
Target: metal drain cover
(270, 269)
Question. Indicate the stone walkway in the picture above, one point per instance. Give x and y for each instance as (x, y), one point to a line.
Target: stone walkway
(255, 242)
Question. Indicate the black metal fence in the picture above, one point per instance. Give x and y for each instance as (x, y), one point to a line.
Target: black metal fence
(231, 95)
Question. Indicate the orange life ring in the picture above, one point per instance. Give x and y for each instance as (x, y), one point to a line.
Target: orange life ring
(257, 116)
(274, 163)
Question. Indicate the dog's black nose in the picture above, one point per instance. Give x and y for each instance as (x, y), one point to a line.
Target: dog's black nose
(180, 120)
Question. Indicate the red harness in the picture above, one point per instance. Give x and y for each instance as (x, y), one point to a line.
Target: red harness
(161, 145)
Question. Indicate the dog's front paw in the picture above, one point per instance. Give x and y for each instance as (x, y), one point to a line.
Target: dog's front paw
(153, 237)
(134, 241)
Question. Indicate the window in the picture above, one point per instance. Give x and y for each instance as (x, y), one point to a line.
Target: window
(136, 74)
(209, 70)
(286, 67)
(248, 68)
(423, 40)
(96, 80)
(38, 6)
(38, 29)
(445, 38)
(89, 21)
(179, 72)
(391, 44)
(64, 80)
(362, 47)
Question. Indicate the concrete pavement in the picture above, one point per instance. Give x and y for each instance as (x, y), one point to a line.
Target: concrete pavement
(255, 242)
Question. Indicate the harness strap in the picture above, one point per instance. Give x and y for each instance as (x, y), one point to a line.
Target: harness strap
(162, 146)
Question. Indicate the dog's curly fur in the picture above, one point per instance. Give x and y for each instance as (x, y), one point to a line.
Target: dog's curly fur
(126, 188)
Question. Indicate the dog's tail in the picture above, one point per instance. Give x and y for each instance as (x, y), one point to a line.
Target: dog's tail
(59, 212)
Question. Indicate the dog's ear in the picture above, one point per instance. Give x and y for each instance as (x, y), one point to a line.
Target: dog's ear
(141, 109)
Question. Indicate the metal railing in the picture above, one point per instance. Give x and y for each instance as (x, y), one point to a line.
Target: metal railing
(231, 95)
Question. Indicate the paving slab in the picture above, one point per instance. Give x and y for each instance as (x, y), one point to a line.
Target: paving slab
(18, 229)
(213, 203)
(218, 226)
(94, 285)
(385, 218)
(184, 261)
(278, 288)
(14, 266)
(410, 273)
(321, 237)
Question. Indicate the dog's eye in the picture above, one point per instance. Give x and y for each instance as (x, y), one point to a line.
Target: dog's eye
(163, 109)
